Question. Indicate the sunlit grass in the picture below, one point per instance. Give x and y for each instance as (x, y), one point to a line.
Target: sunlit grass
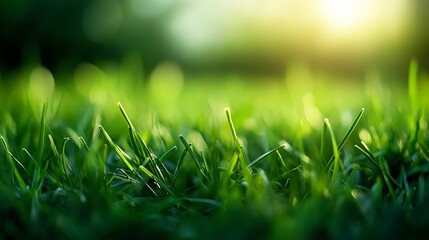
(235, 158)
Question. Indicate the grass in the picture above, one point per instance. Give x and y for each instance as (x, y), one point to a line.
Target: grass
(269, 165)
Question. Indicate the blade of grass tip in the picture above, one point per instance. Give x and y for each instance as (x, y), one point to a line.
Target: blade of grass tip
(10, 158)
(124, 113)
(194, 156)
(231, 125)
(65, 165)
(338, 165)
(30, 156)
(232, 164)
(84, 144)
(138, 144)
(42, 134)
(116, 148)
(165, 156)
(289, 149)
(19, 163)
(265, 155)
(39, 156)
(348, 134)
(351, 129)
(134, 135)
(53, 147)
(245, 169)
(168, 153)
(382, 169)
(365, 151)
(178, 167)
(279, 156)
(382, 165)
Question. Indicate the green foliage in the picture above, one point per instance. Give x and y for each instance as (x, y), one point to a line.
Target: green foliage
(192, 173)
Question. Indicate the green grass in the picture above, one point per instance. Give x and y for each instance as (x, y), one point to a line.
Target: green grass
(238, 159)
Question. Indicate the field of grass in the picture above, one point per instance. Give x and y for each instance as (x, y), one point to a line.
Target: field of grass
(102, 155)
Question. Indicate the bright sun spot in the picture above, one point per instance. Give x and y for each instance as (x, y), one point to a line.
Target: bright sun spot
(342, 15)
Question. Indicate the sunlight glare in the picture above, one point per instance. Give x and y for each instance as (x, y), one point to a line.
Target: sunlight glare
(345, 14)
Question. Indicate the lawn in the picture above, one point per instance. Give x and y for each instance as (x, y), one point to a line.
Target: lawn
(103, 154)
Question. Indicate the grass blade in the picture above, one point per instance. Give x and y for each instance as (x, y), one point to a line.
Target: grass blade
(265, 155)
(66, 166)
(178, 167)
(247, 171)
(117, 149)
(42, 135)
(194, 156)
(338, 165)
(231, 125)
(10, 158)
(382, 169)
(346, 136)
(157, 180)
(351, 129)
(232, 164)
(282, 162)
(137, 142)
(53, 147)
(369, 156)
(37, 173)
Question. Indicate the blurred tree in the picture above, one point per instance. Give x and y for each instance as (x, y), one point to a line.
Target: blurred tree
(54, 33)
(256, 37)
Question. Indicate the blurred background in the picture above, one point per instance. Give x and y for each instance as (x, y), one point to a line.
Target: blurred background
(202, 36)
